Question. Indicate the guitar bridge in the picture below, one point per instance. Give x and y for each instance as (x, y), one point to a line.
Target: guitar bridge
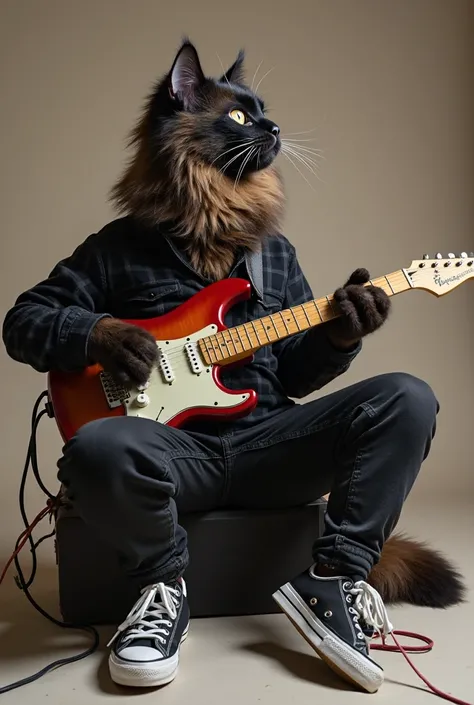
(115, 393)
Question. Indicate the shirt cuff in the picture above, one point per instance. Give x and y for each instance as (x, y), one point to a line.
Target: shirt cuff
(74, 336)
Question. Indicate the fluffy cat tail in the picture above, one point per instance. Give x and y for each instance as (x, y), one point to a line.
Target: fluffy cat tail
(410, 571)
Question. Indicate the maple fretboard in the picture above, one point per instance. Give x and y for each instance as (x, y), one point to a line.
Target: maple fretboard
(243, 340)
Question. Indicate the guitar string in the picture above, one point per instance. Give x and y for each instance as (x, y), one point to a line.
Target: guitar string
(177, 351)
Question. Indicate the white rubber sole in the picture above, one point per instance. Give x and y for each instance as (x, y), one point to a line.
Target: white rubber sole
(145, 675)
(344, 660)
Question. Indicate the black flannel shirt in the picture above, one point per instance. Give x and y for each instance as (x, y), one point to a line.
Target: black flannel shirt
(130, 271)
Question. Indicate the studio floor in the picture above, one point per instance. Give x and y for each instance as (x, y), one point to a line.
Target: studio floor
(240, 661)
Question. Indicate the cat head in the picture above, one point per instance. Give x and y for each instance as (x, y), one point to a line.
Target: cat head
(203, 158)
(221, 119)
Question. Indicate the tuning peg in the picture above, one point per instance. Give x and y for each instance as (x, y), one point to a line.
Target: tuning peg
(426, 256)
(463, 254)
(451, 255)
(439, 255)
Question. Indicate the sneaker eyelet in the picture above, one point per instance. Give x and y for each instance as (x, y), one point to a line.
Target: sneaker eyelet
(328, 614)
(361, 636)
(313, 601)
(347, 586)
(349, 599)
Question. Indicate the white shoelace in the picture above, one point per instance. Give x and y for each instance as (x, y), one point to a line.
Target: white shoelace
(370, 607)
(158, 603)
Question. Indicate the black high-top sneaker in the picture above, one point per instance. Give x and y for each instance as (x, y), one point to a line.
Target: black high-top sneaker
(145, 648)
(326, 611)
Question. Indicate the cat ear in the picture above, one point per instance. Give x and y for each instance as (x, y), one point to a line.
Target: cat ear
(236, 72)
(186, 75)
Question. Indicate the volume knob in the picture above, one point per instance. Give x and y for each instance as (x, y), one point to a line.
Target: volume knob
(142, 400)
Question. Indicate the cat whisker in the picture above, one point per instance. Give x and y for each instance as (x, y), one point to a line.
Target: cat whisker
(262, 79)
(307, 139)
(303, 157)
(255, 75)
(309, 158)
(305, 161)
(241, 144)
(299, 146)
(305, 150)
(227, 164)
(287, 156)
(242, 166)
(305, 132)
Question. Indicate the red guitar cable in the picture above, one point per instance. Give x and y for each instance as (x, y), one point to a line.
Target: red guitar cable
(25, 536)
(409, 649)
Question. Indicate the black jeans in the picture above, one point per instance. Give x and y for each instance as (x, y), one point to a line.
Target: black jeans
(130, 478)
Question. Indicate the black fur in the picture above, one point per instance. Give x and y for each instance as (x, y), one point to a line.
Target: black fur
(126, 352)
(364, 308)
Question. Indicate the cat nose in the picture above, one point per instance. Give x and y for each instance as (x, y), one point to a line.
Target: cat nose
(275, 130)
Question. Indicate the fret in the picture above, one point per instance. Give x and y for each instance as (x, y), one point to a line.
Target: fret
(294, 316)
(223, 343)
(388, 282)
(263, 322)
(252, 323)
(315, 303)
(333, 312)
(280, 313)
(244, 326)
(229, 331)
(210, 352)
(306, 315)
(244, 330)
(273, 323)
(239, 337)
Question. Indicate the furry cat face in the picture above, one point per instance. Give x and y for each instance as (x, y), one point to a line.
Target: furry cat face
(203, 163)
(224, 121)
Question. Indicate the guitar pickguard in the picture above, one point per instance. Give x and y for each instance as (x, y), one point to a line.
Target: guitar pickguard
(181, 381)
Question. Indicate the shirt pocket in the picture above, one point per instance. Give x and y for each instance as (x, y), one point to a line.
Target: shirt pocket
(147, 300)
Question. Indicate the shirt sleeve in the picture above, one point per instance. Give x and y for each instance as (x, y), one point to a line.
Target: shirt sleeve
(49, 325)
(307, 361)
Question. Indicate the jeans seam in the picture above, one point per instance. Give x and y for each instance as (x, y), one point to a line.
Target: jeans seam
(355, 475)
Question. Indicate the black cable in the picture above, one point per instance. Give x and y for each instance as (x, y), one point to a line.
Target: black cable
(24, 476)
(24, 584)
(21, 498)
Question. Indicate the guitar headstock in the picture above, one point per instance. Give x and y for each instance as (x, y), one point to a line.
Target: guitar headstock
(440, 275)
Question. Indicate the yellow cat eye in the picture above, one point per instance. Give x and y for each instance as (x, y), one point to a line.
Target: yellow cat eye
(239, 116)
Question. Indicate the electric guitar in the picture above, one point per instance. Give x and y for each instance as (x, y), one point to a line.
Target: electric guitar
(194, 344)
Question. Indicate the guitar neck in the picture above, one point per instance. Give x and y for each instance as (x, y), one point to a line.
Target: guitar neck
(238, 342)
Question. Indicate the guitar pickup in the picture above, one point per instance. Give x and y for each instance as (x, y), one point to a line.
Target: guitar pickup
(194, 358)
(165, 368)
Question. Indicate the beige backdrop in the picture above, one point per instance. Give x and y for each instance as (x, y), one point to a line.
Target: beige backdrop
(388, 87)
